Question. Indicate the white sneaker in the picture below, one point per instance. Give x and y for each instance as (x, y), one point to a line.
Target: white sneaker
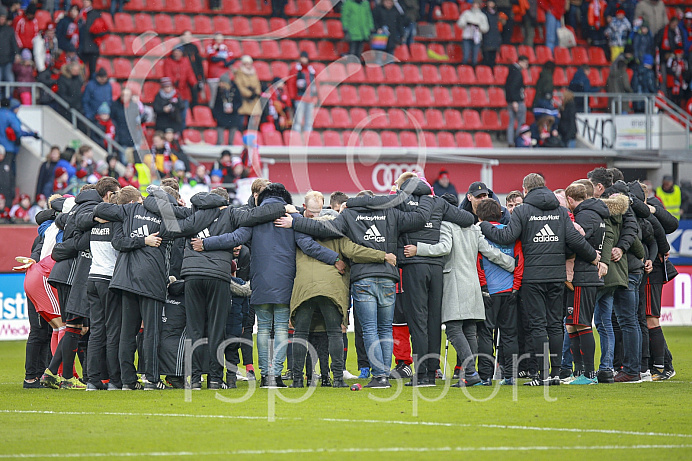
(646, 376)
(239, 376)
(348, 375)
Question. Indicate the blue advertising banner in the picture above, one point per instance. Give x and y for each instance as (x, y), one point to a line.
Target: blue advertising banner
(681, 244)
(14, 321)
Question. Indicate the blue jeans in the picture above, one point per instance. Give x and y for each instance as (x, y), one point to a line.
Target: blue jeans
(471, 51)
(6, 75)
(626, 307)
(551, 25)
(409, 34)
(268, 314)
(373, 299)
(567, 357)
(602, 317)
(302, 121)
(116, 6)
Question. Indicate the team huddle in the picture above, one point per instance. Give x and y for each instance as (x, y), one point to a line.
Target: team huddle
(132, 284)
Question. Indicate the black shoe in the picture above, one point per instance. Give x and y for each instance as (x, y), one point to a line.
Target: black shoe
(34, 385)
(339, 383)
(378, 383)
(524, 374)
(422, 382)
(326, 382)
(216, 385)
(264, 382)
(157, 386)
(250, 375)
(537, 381)
(565, 373)
(605, 376)
(278, 382)
(98, 386)
(472, 380)
(401, 371)
(133, 387)
(176, 382)
(298, 383)
(196, 386)
(272, 382)
(231, 381)
(288, 376)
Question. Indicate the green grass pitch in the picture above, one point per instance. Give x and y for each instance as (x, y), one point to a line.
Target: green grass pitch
(625, 421)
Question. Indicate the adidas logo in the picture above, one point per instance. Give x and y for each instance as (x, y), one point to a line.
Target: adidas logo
(203, 234)
(546, 234)
(373, 234)
(142, 231)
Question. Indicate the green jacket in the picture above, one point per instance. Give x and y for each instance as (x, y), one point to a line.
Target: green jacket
(357, 21)
(617, 271)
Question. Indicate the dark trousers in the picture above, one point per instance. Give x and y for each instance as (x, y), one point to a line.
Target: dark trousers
(320, 341)
(363, 361)
(508, 28)
(356, 48)
(489, 57)
(207, 303)
(90, 61)
(643, 326)
(500, 314)
(423, 307)
(63, 295)
(104, 333)
(464, 338)
(234, 329)
(332, 319)
(543, 309)
(37, 344)
(137, 309)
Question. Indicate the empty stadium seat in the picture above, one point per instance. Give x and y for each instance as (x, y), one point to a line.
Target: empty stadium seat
(463, 139)
(443, 31)
(112, 45)
(240, 25)
(484, 75)
(121, 68)
(374, 75)
(326, 51)
(203, 25)
(393, 74)
(434, 119)
(559, 77)
(579, 56)
(252, 48)
(270, 50)
(411, 74)
(441, 96)
(472, 121)
(389, 139)
(416, 118)
(448, 75)
(562, 56)
(259, 26)
(334, 29)
(404, 96)
(496, 97)
(419, 52)
(371, 139)
(122, 23)
(446, 139)
(597, 56)
(349, 95)
(483, 140)
(423, 96)
(479, 97)
(183, 22)
(272, 138)
(528, 52)
(595, 78)
(543, 54)
(321, 119)
(430, 74)
(279, 69)
(263, 71)
(508, 55)
(466, 75)
(331, 139)
(210, 136)
(408, 139)
(385, 94)
(450, 11)
(314, 139)
(377, 119)
(453, 119)
(460, 97)
(397, 119)
(358, 118)
(164, 24)
(490, 120)
(201, 117)
(192, 136)
(289, 48)
(329, 95)
(340, 118)
(500, 74)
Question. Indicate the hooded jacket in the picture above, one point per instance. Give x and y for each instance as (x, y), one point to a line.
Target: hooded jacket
(547, 234)
(94, 95)
(617, 271)
(70, 88)
(590, 215)
(378, 228)
(430, 232)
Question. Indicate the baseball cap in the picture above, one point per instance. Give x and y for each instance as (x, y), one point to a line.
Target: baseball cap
(304, 54)
(477, 188)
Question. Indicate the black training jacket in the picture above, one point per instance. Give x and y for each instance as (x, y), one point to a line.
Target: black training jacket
(547, 234)
(372, 228)
(590, 215)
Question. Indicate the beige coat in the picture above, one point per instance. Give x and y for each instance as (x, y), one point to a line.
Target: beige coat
(250, 89)
(461, 294)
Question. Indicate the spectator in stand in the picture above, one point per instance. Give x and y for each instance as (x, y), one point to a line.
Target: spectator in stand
(191, 52)
(225, 110)
(61, 180)
(225, 165)
(653, 12)
(116, 6)
(219, 59)
(24, 70)
(173, 143)
(669, 39)
(44, 184)
(26, 28)
(686, 29)
(281, 109)
(576, 14)
(514, 94)
(11, 133)
(164, 158)
(524, 138)
(643, 82)
(442, 186)
(529, 21)
(642, 43)
(129, 178)
(493, 38)
(427, 9)
(677, 78)
(473, 23)
(389, 20)
(127, 118)
(4, 210)
(279, 8)
(544, 128)
(19, 213)
(67, 30)
(618, 32)
(112, 163)
(103, 121)
(46, 51)
(40, 205)
(619, 83)
(358, 24)
(506, 15)
(97, 92)
(169, 107)
(567, 127)
(9, 51)
(545, 86)
(7, 184)
(597, 24)
(581, 84)
(92, 30)
(250, 88)
(180, 72)
(554, 11)
(411, 14)
(302, 89)
(200, 178)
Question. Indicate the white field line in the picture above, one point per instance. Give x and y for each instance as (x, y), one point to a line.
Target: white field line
(359, 421)
(398, 449)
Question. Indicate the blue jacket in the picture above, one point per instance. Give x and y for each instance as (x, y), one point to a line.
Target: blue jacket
(9, 119)
(71, 171)
(497, 279)
(94, 95)
(272, 257)
(580, 84)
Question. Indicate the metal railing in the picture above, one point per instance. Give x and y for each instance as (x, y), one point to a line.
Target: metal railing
(75, 117)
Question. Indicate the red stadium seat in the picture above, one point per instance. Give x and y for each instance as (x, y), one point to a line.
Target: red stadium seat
(484, 75)
(562, 56)
(490, 120)
(106, 65)
(597, 56)
(543, 54)
(340, 118)
(460, 97)
(272, 138)
(434, 119)
(123, 23)
(314, 139)
(448, 75)
(336, 72)
(289, 48)
(504, 119)
(203, 25)
(192, 136)
(497, 97)
(529, 94)
(279, 69)
(446, 139)
(401, 53)
(393, 74)
(183, 22)
(559, 77)
(239, 26)
(232, 7)
(263, 71)
(443, 32)
(331, 139)
(374, 75)
(430, 74)
(419, 53)
(143, 23)
(164, 24)
(156, 5)
(483, 140)
(112, 45)
(176, 6)
(398, 119)
(252, 48)
(408, 139)
(316, 30)
(277, 24)
(329, 95)
(121, 68)
(450, 11)
(259, 26)
(385, 94)
(371, 139)
(528, 52)
(210, 136)
(595, 77)
(423, 96)
(479, 98)
(570, 71)
(377, 119)
(368, 95)
(321, 119)
(389, 139)
(358, 118)
(464, 139)
(135, 5)
(326, 51)
(441, 96)
(453, 120)
(501, 75)
(508, 55)
(404, 96)
(334, 29)
(349, 95)
(454, 52)
(466, 75)
(201, 116)
(472, 121)
(354, 72)
(411, 74)
(270, 50)
(309, 47)
(579, 56)
(196, 6)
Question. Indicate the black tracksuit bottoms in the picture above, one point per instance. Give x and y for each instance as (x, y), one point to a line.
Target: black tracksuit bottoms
(38, 353)
(207, 304)
(104, 339)
(501, 314)
(137, 309)
(422, 298)
(543, 308)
